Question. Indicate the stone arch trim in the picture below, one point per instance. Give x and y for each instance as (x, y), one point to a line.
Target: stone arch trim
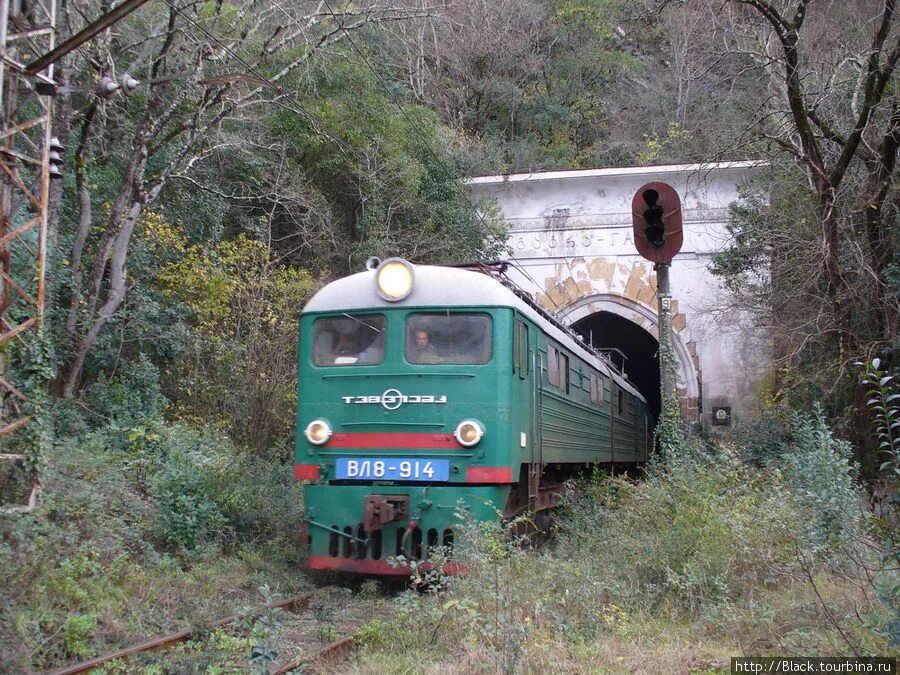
(644, 317)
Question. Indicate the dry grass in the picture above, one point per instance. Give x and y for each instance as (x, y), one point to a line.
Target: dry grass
(784, 619)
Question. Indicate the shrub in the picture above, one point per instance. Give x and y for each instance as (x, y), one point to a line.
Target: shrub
(762, 439)
(186, 513)
(884, 404)
(699, 528)
(821, 481)
(77, 631)
(130, 398)
(261, 499)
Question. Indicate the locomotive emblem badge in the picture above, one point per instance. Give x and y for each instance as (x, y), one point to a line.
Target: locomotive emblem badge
(392, 399)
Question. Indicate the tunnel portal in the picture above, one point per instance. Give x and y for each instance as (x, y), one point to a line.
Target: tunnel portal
(629, 343)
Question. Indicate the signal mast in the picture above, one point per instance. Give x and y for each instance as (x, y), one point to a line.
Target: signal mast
(658, 236)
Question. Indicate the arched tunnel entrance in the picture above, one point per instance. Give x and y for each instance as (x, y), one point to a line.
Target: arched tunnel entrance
(626, 342)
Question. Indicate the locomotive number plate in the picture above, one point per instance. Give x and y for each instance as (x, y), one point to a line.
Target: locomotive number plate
(392, 468)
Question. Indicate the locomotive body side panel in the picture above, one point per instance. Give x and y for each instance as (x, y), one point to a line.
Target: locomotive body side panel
(574, 430)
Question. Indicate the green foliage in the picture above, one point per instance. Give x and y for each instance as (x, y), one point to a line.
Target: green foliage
(887, 422)
(140, 530)
(186, 514)
(392, 183)
(376, 634)
(60, 565)
(540, 101)
(821, 480)
(770, 235)
(772, 268)
(130, 398)
(887, 415)
(668, 432)
(209, 492)
(77, 631)
(30, 366)
(238, 368)
(710, 513)
(263, 628)
(762, 439)
(706, 548)
(485, 607)
(260, 498)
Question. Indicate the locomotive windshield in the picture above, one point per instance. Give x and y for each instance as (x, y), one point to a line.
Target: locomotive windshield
(349, 340)
(448, 338)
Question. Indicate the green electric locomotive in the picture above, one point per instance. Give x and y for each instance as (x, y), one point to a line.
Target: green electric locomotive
(423, 388)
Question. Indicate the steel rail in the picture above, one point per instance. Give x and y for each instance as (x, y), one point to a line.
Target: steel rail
(329, 654)
(174, 638)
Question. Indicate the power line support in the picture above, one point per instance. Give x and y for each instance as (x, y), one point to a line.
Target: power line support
(26, 32)
(29, 157)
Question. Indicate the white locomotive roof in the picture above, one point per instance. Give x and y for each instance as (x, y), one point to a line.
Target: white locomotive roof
(433, 286)
(439, 287)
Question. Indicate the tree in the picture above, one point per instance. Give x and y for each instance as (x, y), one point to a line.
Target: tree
(831, 114)
(208, 68)
(525, 84)
(238, 368)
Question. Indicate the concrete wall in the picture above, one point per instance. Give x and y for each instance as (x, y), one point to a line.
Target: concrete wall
(572, 247)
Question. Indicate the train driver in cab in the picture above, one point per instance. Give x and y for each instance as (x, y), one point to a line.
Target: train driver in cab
(421, 350)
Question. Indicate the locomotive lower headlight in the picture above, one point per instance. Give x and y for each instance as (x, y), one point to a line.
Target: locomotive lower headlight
(468, 433)
(318, 432)
(394, 279)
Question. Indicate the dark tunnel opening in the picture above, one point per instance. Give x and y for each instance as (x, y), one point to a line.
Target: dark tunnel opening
(608, 331)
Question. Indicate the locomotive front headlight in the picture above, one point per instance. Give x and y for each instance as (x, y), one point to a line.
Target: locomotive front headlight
(318, 432)
(394, 279)
(468, 433)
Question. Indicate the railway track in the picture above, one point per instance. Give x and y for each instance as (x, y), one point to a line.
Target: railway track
(316, 634)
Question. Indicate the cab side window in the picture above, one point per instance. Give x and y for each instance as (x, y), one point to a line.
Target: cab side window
(558, 369)
(520, 349)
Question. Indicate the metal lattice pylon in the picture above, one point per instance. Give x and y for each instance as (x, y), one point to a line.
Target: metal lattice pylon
(27, 31)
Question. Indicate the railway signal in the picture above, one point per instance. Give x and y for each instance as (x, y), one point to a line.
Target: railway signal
(656, 218)
(658, 236)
